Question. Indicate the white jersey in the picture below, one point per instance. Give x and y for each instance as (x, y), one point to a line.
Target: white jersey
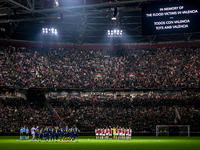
(97, 131)
(110, 132)
(33, 130)
(130, 132)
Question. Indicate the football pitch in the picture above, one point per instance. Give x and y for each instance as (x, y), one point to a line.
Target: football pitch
(136, 143)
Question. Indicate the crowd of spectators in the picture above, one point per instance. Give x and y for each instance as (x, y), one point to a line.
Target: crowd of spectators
(169, 67)
(7, 74)
(16, 112)
(71, 68)
(190, 72)
(31, 67)
(141, 112)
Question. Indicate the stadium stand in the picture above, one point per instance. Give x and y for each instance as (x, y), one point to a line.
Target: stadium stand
(156, 68)
(153, 68)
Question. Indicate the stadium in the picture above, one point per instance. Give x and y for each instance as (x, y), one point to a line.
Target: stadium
(95, 74)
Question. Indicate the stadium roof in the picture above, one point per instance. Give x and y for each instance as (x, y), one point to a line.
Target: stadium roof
(78, 21)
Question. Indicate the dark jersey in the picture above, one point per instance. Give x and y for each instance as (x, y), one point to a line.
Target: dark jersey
(57, 131)
(66, 130)
(76, 130)
(61, 130)
(52, 131)
(41, 131)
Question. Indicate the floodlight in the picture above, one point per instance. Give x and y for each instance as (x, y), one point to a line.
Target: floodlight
(115, 33)
(113, 18)
(49, 31)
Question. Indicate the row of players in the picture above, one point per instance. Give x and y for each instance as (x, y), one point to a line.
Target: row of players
(66, 134)
(117, 133)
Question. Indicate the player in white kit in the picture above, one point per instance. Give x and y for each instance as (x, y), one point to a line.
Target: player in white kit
(123, 133)
(101, 133)
(130, 133)
(120, 133)
(97, 133)
(104, 130)
(117, 133)
(107, 132)
(127, 133)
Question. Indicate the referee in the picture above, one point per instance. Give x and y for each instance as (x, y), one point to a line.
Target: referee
(24, 133)
(27, 133)
(21, 133)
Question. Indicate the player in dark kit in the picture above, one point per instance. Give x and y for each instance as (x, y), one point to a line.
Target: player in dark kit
(41, 134)
(44, 133)
(57, 133)
(75, 133)
(37, 134)
(47, 133)
(71, 130)
(67, 134)
(61, 134)
(52, 134)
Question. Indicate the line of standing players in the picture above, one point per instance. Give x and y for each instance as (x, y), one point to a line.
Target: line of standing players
(117, 133)
(49, 134)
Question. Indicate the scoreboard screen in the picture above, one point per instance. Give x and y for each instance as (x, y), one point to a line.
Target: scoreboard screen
(170, 17)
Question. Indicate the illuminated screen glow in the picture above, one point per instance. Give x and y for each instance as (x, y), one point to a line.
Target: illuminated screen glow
(171, 17)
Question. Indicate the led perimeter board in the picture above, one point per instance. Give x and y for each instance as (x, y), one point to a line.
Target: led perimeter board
(170, 17)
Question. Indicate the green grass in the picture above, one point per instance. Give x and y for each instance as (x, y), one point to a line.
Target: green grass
(137, 143)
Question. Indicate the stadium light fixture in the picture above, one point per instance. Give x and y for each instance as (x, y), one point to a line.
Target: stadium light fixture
(49, 31)
(113, 18)
(115, 33)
